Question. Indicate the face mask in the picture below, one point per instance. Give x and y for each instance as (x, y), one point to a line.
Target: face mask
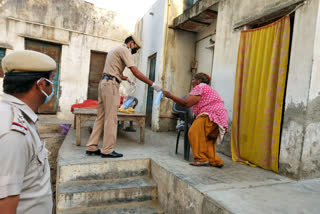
(134, 50)
(48, 97)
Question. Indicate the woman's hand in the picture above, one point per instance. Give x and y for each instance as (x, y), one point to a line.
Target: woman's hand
(167, 94)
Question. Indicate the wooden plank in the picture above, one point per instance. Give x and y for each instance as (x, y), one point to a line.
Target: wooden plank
(93, 111)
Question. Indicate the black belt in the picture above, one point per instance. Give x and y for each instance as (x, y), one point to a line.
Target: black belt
(110, 77)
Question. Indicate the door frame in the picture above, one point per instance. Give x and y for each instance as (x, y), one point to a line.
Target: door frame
(99, 52)
(57, 73)
(150, 58)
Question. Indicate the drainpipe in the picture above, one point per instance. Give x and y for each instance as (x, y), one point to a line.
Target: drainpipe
(164, 58)
(165, 46)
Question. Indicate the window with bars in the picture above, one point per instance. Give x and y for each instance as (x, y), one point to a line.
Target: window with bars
(2, 54)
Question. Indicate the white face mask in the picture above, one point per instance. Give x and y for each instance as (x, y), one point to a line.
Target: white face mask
(48, 97)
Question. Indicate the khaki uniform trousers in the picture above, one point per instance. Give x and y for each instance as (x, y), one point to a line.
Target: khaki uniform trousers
(107, 119)
(202, 136)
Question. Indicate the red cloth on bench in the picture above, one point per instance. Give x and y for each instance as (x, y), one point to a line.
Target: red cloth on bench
(90, 104)
(85, 104)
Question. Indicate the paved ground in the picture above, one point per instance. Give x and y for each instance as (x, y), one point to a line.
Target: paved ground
(236, 187)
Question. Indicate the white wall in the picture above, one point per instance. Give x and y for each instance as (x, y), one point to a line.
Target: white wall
(151, 31)
(180, 54)
(225, 57)
(205, 38)
(204, 56)
(310, 166)
(74, 73)
(315, 78)
(78, 26)
(169, 69)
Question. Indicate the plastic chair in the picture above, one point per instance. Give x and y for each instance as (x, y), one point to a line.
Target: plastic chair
(186, 117)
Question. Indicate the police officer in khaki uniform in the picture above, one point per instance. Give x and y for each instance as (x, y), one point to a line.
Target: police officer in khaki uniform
(109, 98)
(25, 186)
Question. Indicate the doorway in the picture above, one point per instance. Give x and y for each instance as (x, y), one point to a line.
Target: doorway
(152, 70)
(97, 61)
(54, 51)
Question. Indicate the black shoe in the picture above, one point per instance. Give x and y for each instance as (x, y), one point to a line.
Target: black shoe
(98, 152)
(219, 166)
(112, 155)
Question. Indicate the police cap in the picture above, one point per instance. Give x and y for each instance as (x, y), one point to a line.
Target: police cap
(137, 41)
(27, 61)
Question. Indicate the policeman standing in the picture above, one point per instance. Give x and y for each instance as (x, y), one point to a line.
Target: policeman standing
(25, 186)
(109, 98)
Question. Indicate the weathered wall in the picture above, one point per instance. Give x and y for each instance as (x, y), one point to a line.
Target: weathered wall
(311, 152)
(151, 30)
(179, 197)
(224, 63)
(300, 147)
(180, 52)
(299, 138)
(78, 26)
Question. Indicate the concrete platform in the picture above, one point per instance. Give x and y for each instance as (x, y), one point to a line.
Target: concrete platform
(182, 188)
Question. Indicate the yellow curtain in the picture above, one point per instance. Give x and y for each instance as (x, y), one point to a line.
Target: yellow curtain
(259, 94)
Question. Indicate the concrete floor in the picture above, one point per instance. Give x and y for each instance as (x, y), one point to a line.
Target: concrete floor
(237, 188)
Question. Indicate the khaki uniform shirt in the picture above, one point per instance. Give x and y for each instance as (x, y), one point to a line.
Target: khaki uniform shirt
(117, 60)
(24, 167)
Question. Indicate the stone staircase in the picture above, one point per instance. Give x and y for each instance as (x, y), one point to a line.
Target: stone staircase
(50, 132)
(110, 187)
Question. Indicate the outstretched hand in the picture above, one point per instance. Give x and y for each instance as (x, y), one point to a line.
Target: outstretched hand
(167, 94)
(156, 87)
(130, 81)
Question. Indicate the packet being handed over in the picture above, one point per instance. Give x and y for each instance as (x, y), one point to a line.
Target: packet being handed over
(157, 101)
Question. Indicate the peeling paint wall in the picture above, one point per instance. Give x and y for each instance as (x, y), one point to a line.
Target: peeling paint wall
(299, 152)
(152, 30)
(177, 77)
(311, 150)
(180, 53)
(300, 147)
(77, 25)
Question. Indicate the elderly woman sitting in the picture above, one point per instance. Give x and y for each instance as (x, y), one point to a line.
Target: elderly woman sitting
(210, 124)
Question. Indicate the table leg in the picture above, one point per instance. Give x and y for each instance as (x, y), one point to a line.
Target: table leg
(74, 121)
(78, 130)
(142, 124)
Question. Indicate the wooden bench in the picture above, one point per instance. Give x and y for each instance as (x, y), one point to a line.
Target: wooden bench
(82, 115)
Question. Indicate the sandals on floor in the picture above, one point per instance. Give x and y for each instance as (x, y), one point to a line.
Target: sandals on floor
(199, 163)
(218, 166)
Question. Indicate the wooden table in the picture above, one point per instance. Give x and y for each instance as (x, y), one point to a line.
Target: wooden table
(82, 115)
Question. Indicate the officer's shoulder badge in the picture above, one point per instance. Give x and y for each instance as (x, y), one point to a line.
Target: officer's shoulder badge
(18, 122)
(19, 127)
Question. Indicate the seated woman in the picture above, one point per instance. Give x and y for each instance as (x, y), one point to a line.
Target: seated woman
(211, 121)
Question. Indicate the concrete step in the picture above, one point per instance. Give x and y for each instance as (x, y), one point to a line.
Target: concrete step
(149, 207)
(44, 128)
(52, 137)
(102, 193)
(111, 169)
(50, 124)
